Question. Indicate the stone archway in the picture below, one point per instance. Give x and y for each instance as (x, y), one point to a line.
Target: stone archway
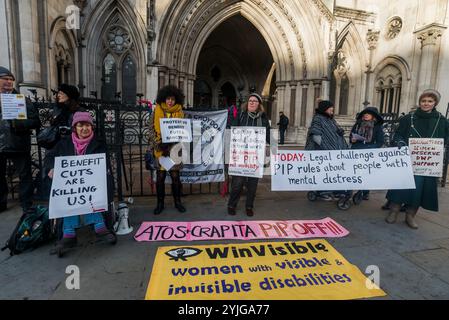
(236, 54)
(290, 30)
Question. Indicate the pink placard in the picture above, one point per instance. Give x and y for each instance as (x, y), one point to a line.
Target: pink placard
(239, 230)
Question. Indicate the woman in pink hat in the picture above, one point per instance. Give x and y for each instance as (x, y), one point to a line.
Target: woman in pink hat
(82, 142)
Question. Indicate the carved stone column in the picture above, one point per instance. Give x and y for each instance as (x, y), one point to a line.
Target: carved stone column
(372, 38)
(429, 36)
(304, 89)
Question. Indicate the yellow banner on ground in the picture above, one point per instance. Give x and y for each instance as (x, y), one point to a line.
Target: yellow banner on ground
(257, 271)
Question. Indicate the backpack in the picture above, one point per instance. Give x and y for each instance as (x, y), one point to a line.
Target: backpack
(32, 230)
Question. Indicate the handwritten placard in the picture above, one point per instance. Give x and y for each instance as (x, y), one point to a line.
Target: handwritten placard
(427, 156)
(370, 169)
(79, 186)
(247, 153)
(175, 130)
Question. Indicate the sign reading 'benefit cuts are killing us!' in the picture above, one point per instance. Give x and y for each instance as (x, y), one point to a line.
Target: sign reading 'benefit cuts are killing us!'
(257, 271)
(370, 169)
(79, 186)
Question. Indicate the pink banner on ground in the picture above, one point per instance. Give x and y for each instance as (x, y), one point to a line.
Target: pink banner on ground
(239, 230)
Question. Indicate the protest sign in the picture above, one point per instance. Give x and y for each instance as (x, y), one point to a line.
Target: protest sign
(207, 163)
(427, 156)
(247, 155)
(13, 107)
(175, 130)
(79, 186)
(369, 169)
(239, 230)
(307, 270)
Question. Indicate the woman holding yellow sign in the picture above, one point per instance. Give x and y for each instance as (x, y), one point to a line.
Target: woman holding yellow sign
(425, 122)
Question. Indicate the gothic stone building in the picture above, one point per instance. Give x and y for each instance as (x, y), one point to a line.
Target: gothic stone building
(355, 52)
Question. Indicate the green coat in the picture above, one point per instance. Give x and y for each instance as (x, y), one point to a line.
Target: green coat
(425, 125)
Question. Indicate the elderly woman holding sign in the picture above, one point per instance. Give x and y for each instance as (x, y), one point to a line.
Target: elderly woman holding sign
(425, 122)
(169, 105)
(252, 115)
(81, 142)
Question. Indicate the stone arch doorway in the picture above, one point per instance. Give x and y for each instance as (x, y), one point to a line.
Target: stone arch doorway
(234, 61)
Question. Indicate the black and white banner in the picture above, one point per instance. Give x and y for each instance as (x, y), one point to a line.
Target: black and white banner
(207, 150)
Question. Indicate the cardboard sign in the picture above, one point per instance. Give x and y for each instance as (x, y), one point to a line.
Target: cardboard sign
(79, 186)
(239, 230)
(247, 155)
(306, 270)
(427, 156)
(176, 130)
(370, 169)
(13, 107)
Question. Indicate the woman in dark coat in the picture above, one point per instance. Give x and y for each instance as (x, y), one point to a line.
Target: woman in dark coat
(425, 122)
(368, 133)
(82, 142)
(324, 132)
(252, 115)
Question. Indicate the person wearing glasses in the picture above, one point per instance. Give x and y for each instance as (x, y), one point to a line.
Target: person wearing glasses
(252, 115)
(15, 145)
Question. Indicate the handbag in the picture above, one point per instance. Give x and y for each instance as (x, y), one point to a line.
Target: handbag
(48, 137)
(150, 161)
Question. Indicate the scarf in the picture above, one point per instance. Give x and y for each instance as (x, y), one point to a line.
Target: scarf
(366, 129)
(81, 144)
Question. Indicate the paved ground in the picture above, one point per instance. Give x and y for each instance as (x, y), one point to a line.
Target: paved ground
(413, 264)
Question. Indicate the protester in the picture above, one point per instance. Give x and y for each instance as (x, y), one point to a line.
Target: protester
(368, 133)
(83, 141)
(67, 105)
(325, 134)
(15, 145)
(283, 126)
(425, 122)
(252, 115)
(170, 100)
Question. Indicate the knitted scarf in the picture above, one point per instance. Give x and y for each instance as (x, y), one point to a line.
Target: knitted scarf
(366, 129)
(81, 144)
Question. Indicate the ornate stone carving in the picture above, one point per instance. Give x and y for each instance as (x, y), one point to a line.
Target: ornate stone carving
(342, 63)
(430, 36)
(118, 39)
(394, 27)
(373, 38)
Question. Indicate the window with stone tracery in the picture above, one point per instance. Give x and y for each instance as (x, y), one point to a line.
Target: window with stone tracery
(389, 89)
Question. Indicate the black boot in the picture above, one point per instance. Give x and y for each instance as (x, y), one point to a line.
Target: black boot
(160, 189)
(160, 206)
(176, 190)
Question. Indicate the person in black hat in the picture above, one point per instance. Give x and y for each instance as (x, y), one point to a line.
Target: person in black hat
(67, 104)
(15, 145)
(324, 132)
(252, 115)
(368, 133)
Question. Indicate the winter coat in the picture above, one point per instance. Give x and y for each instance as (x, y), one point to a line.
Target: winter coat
(65, 148)
(283, 122)
(244, 120)
(63, 118)
(332, 135)
(378, 138)
(15, 135)
(425, 125)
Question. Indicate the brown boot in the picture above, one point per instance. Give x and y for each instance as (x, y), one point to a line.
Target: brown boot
(410, 217)
(393, 214)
